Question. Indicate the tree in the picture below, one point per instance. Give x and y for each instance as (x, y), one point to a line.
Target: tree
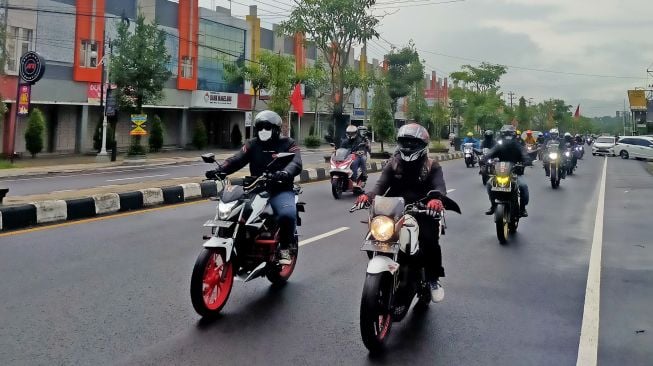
(334, 26)
(282, 80)
(523, 115)
(418, 110)
(156, 134)
(316, 81)
(139, 69)
(34, 132)
(404, 71)
(439, 118)
(200, 139)
(485, 76)
(252, 71)
(381, 117)
(97, 136)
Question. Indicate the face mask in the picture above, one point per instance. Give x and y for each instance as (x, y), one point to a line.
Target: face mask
(264, 135)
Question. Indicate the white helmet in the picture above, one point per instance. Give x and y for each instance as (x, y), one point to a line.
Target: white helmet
(567, 134)
(351, 132)
(412, 141)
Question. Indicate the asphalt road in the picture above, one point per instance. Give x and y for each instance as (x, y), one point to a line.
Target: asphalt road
(72, 181)
(115, 291)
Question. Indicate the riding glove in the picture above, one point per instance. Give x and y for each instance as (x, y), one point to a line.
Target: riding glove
(362, 201)
(434, 207)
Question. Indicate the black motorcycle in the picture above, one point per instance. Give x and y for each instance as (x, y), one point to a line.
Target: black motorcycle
(505, 193)
(557, 164)
(484, 165)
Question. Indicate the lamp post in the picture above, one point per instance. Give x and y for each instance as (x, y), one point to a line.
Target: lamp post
(102, 156)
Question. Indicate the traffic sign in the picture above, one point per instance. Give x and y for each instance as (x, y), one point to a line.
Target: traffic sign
(138, 125)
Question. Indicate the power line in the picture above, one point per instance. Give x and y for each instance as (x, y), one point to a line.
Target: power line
(398, 6)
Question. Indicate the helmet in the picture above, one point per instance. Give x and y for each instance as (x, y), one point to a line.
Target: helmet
(518, 133)
(540, 134)
(567, 134)
(412, 141)
(267, 125)
(489, 134)
(554, 133)
(351, 132)
(469, 134)
(529, 133)
(362, 130)
(508, 131)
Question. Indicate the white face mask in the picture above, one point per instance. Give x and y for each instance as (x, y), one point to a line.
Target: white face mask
(265, 135)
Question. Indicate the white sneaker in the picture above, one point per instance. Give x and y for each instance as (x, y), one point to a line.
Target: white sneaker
(437, 291)
(284, 257)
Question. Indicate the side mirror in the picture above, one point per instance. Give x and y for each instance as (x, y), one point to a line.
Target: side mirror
(332, 144)
(434, 194)
(209, 158)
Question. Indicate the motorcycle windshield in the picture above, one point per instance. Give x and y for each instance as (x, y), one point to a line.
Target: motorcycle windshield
(341, 154)
(232, 193)
(503, 168)
(388, 206)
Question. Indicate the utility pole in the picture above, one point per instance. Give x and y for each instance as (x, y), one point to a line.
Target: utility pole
(512, 96)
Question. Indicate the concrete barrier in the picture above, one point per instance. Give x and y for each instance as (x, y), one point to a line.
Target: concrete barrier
(80, 208)
(303, 176)
(173, 194)
(131, 201)
(106, 203)
(191, 190)
(152, 196)
(17, 217)
(50, 211)
(312, 174)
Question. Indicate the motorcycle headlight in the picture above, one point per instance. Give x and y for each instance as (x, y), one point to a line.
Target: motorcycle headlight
(567, 154)
(382, 228)
(224, 209)
(553, 156)
(503, 181)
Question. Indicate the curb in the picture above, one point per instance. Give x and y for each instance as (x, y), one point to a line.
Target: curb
(53, 211)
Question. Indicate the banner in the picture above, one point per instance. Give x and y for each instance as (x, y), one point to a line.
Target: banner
(138, 125)
(637, 99)
(24, 94)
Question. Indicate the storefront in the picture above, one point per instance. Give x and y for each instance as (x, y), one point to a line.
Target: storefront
(222, 114)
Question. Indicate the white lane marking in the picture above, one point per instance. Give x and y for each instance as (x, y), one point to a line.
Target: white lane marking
(141, 177)
(322, 236)
(589, 332)
(451, 190)
(68, 175)
(64, 190)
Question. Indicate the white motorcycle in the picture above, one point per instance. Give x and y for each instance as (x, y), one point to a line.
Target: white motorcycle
(394, 276)
(470, 156)
(244, 240)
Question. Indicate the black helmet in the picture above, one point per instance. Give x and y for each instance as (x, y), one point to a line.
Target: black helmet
(267, 121)
(489, 134)
(351, 132)
(508, 131)
(412, 141)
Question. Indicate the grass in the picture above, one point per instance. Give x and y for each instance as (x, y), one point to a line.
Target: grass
(4, 164)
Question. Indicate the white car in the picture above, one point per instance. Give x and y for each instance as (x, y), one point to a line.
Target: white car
(639, 147)
(604, 145)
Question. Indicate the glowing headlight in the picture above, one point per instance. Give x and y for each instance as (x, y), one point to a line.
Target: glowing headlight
(553, 156)
(567, 154)
(382, 228)
(224, 209)
(503, 181)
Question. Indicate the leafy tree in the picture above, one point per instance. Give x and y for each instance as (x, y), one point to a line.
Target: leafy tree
(334, 26)
(381, 117)
(404, 71)
(140, 68)
(282, 80)
(156, 134)
(236, 136)
(482, 78)
(418, 110)
(255, 72)
(439, 118)
(34, 132)
(200, 138)
(523, 115)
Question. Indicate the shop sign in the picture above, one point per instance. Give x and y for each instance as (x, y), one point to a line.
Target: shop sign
(210, 99)
(24, 94)
(32, 67)
(248, 119)
(138, 125)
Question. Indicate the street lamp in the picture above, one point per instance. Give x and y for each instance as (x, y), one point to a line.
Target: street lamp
(102, 155)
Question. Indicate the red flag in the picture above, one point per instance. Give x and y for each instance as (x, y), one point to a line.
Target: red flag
(297, 101)
(577, 114)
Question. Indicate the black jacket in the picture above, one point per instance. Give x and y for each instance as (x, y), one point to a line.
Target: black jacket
(258, 155)
(511, 151)
(488, 144)
(355, 144)
(410, 180)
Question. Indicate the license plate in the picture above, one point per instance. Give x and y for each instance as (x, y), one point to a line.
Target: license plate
(218, 223)
(375, 246)
(501, 189)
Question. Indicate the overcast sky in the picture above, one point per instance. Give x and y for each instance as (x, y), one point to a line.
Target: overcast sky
(609, 38)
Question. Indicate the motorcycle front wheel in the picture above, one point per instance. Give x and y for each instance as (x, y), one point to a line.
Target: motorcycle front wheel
(336, 188)
(484, 179)
(501, 224)
(375, 313)
(555, 180)
(211, 282)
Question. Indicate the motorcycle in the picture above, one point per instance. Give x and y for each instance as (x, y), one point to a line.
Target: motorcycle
(395, 275)
(532, 151)
(244, 240)
(470, 157)
(505, 193)
(484, 165)
(579, 150)
(589, 141)
(557, 165)
(341, 173)
(570, 159)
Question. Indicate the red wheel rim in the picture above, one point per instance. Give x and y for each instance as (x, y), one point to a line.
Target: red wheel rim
(287, 269)
(217, 281)
(383, 325)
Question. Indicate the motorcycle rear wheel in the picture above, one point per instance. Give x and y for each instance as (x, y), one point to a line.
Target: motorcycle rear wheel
(281, 275)
(375, 313)
(501, 224)
(211, 282)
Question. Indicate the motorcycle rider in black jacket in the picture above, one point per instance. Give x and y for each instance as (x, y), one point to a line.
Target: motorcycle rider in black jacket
(488, 140)
(359, 145)
(411, 174)
(511, 151)
(258, 153)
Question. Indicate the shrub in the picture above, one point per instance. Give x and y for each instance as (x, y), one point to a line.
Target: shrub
(156, 134)
(97, 137)
(34, 132)
(236, 136)
(200, 138)
(312, 141)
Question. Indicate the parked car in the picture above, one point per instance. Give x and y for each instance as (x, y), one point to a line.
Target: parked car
(638, 147)
(604, 145)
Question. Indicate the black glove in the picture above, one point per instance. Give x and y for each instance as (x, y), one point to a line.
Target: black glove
(211, 174)
(281, 176)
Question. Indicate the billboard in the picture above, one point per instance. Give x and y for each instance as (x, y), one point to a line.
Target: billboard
(637, 100)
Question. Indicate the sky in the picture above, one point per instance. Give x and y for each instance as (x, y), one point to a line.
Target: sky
(607, 41)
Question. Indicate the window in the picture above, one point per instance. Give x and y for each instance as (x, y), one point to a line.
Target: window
(19, 41)
(187, 67)
(626, 141)
(88, 54)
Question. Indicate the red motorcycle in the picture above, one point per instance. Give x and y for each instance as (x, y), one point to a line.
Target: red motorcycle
(341, 173)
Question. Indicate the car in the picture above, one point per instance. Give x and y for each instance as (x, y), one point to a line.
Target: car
(638, 147)
(604, 145)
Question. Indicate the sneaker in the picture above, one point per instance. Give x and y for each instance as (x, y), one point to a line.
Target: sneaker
(284, 257)
(524, 213)
(490, 211)
(437, 291)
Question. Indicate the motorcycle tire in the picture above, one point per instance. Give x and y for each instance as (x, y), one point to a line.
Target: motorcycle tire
(280, 274)
(484, 179)
(212, 271)
(336, 189)
(375, 312)
(501, 224)
(512, 227)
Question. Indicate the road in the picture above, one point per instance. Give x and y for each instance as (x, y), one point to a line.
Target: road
(74, 181)
(115, 291)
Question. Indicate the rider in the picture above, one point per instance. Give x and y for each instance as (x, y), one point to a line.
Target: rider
(258, 153)
(570, 142)
(470, 139)
(519, 138)
(540, 138)
(360, 146)
(488, 140)
(411, 174)
(554, 138)
(510, 151)
(530, 140)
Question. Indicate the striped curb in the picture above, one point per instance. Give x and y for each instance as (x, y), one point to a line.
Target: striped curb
(52, 211)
